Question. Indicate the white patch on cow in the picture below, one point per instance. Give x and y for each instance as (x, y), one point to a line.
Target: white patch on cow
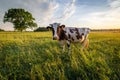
(55, 32)
(54, 26)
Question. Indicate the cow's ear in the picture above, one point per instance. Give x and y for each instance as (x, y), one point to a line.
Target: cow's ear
(48, 27)
(60, 26)
(63, 26)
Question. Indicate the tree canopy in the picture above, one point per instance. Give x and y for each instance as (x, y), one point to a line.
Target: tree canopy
(20, 18)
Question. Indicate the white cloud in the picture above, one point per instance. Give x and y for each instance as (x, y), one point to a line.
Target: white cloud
(114, 3)
(105, 19)
(68, 11)
(42, 10)
(45, 10)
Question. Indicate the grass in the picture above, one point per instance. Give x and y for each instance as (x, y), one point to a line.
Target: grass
(35, 56)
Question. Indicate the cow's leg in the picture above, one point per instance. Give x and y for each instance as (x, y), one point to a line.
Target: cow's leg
(62, 43)
(69, 48)
(63, 48)
(85, 44)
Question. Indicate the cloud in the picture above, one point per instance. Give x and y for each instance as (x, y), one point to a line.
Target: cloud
(69, 10)
(105, 19)
(45, 10)
(114, 3)
(42, 10)
(64, 10)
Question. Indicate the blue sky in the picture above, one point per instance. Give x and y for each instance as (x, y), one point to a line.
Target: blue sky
(95, 14)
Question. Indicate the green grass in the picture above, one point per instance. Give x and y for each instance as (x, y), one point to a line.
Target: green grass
(35, 56)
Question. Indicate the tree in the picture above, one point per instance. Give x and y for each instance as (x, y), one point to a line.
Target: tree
(20, 18)
(1, 30)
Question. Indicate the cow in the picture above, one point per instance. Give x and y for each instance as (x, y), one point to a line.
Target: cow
(69, 35)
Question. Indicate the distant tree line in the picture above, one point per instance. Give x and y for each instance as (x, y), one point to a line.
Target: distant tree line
(2, 30)
(41, 29)
(104, 30)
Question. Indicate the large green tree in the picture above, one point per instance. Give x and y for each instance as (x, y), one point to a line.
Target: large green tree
(20, 18)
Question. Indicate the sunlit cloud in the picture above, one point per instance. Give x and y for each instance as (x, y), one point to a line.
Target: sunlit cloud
(105, 19)
(43, 10)
(114, 3)
(69, 10)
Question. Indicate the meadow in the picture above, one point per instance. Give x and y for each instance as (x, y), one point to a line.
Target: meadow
(35, 56)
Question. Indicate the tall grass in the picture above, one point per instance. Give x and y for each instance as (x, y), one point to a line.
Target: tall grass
(35, 56)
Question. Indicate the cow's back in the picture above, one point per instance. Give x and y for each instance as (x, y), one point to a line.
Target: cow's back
(76, 34)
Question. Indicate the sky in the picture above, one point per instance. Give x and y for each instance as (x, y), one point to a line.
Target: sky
(95, 14)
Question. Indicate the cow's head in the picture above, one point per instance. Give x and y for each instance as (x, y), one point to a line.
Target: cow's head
(56, 29)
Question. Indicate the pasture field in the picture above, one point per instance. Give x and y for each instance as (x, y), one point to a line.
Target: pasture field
(35, 56)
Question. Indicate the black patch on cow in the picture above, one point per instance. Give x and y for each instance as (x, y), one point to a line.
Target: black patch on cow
(53, 31)
(72, 39)
(68, 45)
(65, 31)
(78, 34)
(82, 34)
(76, 29)
(71, 30)
(78, 37)
(69, 36)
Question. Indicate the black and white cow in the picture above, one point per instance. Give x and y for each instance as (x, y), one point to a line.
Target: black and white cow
(69, 34)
